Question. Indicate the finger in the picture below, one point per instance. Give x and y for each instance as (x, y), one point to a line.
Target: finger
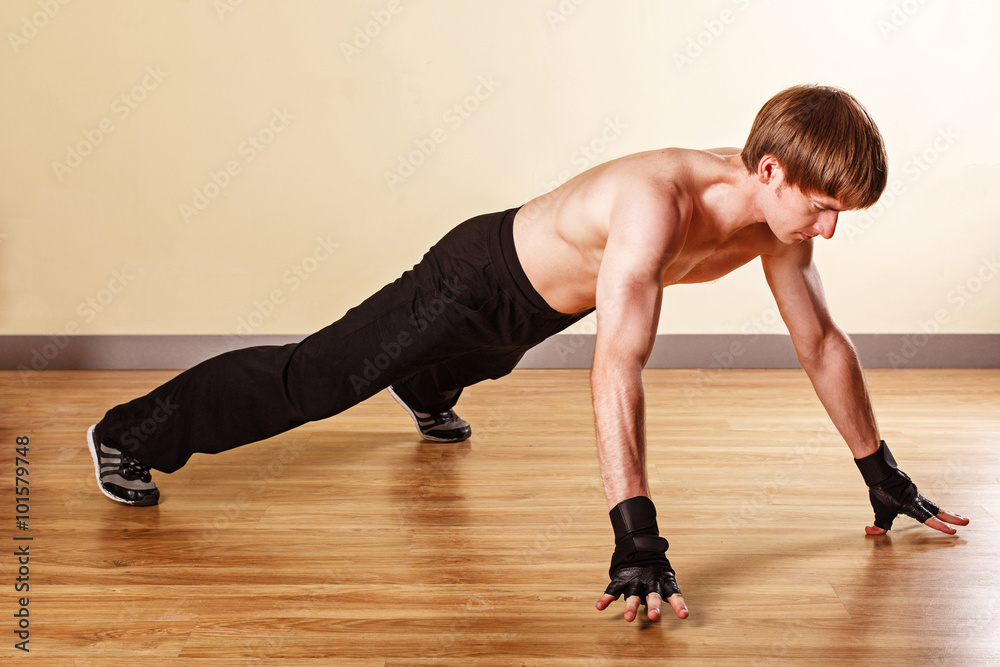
(937, 524)
(605, 600)
(677, 602)
(956, 519)
(875, 530)
(653, 605)
(631, 607)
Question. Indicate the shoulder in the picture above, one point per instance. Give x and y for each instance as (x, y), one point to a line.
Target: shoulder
(648, 224)
(651, 205)
(655, 185)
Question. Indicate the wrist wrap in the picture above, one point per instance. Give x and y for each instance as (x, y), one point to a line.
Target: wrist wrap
(877, 467)
(637, 537)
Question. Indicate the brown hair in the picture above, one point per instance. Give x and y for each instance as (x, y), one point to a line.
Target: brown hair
(825, 141)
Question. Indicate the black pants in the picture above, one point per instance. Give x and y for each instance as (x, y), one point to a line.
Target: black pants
(465, 313)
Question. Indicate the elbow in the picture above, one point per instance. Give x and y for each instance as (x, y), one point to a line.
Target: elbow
(816, 350)
(609, 377)
(809, 353)
(615, 365)
(604, 373)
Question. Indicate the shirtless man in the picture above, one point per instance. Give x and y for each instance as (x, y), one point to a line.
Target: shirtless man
(608, 240)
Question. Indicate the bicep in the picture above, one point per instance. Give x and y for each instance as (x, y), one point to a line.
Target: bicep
(641, 239)
(628, 311)
(798, 292)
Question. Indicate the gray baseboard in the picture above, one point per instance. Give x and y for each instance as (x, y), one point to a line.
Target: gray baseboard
(721, 351)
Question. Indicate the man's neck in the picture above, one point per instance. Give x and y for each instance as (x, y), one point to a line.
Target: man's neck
(731, 204)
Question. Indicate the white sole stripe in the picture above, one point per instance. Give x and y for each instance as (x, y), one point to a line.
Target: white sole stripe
(97, 467)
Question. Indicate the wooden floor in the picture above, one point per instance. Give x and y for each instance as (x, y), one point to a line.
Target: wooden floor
(352, 542)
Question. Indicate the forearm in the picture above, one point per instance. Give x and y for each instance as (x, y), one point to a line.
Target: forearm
(619, 418)
(839, 382)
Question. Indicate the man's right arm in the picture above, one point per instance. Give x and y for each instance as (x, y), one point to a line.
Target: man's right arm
(646, 229)
(629, 294)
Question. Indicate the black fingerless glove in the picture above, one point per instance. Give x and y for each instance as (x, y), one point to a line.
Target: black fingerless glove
(639, 565)
(891, 491)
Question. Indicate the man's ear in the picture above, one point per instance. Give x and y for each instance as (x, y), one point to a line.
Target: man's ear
(768, 169)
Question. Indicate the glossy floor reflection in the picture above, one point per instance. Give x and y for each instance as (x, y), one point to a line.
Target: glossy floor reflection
(352, 542)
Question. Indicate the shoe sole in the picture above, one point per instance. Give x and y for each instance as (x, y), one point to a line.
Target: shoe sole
(416, 421)
(97, 471)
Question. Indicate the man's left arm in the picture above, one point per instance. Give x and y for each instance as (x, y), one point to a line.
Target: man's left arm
(831, 362)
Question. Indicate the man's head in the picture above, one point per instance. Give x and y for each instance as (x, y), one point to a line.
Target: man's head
(825, 143)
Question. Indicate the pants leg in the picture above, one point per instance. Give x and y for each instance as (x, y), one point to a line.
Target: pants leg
(437, 388)
(442, 308)
(251, 394)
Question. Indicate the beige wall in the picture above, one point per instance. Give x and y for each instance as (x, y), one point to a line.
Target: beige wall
(157, 96)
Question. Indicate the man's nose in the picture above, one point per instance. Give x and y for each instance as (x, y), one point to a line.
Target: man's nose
(827, 224)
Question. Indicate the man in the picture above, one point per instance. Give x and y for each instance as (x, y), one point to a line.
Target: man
(610, 239)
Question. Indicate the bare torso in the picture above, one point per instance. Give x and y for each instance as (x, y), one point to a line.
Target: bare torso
(560, 236)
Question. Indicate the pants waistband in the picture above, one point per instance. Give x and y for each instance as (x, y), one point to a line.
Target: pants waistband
(506, 253)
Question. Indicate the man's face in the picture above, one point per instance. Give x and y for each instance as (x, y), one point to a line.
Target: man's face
(795, 216)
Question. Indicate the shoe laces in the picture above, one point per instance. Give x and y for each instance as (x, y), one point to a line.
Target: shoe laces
(132, 468)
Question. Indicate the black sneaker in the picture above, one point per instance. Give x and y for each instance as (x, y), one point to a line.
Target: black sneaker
(439, 426)
(120, 476)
